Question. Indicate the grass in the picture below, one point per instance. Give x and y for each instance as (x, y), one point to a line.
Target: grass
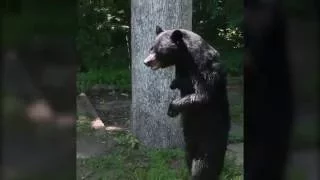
(84, 125)
(233, 59)
(236, 112)
(120, 77)
(144, 164)
(137, 164)
(129, 162)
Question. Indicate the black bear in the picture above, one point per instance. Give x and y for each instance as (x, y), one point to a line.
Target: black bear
(203, 102)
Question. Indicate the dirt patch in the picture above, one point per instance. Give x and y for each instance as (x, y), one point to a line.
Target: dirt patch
(113, 107)
(90, 146)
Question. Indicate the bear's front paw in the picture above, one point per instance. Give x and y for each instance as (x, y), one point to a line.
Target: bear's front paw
(171, 111)
(173, 84)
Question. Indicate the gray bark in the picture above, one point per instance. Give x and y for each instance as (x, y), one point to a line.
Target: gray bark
(151, 94)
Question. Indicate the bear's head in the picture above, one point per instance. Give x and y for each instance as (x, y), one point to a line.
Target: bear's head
(165, 50)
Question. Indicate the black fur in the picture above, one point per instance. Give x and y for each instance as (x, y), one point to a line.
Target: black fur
(203, 102)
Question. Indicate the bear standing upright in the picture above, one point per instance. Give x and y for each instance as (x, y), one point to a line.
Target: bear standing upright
(203, 102)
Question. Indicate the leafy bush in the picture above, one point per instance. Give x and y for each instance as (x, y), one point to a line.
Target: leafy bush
(102, 38)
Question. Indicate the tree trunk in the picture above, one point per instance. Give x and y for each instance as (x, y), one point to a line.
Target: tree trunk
(151, 94)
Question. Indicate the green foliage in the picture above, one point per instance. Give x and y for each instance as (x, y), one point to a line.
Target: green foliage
(218, 21)
(127, 140)
(230, 169)
(103, 33)
(83, 125)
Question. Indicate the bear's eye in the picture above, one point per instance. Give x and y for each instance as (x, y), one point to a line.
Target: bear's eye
(151, 49)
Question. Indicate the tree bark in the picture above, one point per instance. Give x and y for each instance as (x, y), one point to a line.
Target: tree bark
(151, 94)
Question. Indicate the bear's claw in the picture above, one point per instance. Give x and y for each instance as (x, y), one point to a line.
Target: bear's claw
(171, 112)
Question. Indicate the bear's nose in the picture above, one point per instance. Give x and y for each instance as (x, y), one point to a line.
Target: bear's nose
(148, 60)
(145, 62)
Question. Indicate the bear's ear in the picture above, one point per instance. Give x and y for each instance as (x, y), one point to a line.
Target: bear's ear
(176, 36)
(158, 30)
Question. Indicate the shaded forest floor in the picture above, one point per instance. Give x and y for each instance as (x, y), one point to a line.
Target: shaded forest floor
(107, 150)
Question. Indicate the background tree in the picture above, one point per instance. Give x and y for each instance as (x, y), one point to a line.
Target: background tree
(150, 90)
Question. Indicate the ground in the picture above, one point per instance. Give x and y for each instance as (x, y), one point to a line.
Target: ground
(111, 152)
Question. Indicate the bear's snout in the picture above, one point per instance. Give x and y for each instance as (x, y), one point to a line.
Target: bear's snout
(151, 62)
